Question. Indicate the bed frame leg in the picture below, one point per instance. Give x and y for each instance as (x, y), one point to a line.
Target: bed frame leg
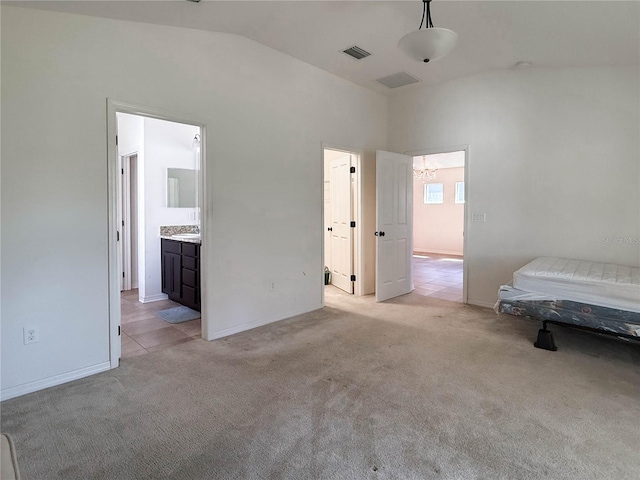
(545, 339)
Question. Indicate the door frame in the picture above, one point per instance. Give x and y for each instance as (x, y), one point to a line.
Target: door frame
(465, 226)
(358, 237)
(113, 195)
(125, 196)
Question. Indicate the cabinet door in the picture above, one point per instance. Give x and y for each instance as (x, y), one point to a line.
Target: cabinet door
(190, 297)
(171, 281)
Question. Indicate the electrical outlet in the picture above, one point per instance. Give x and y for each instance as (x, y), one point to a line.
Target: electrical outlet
(272, 285)
(31, 335)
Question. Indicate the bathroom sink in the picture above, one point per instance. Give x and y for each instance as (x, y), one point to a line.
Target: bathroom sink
(186, 235)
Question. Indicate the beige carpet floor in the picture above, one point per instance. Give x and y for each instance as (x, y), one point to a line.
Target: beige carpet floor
(415, 388)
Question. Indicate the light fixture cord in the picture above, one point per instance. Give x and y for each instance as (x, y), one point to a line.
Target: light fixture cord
(426, 14)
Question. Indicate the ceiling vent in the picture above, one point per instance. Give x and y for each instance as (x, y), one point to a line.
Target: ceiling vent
(356, 52)
(398, 80)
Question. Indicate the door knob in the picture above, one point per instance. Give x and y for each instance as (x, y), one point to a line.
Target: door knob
(330, 229)
(379, 234)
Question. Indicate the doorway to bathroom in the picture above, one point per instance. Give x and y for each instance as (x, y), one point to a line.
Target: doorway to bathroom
(156, 195)
(165, 170)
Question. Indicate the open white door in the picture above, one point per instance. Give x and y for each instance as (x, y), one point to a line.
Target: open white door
(340, 227)
(394, 224)
(120, 218)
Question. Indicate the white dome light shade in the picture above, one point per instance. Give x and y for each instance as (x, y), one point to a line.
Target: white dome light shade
(429, 44)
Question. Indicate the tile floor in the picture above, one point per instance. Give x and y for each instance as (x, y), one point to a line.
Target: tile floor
(438, 276)
(143, 332)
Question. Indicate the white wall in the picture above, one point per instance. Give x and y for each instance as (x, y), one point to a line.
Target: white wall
(554, 162)
(439, 228)
(266, 114)
(131, 141)
(130, 134)
(166, 145)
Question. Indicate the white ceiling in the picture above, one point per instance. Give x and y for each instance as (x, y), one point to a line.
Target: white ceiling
(492, 34)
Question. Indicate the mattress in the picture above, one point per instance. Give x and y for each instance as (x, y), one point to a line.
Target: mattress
(603, 284)
(538, 306)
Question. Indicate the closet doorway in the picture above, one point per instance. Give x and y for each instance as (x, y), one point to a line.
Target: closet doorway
(349, 191)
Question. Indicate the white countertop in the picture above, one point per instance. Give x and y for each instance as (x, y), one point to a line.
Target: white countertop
(179, 238)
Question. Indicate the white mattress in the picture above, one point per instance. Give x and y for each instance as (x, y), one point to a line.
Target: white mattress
(604, 284)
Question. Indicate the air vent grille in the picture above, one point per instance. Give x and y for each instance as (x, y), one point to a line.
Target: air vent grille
(398, 80)
(356, 52)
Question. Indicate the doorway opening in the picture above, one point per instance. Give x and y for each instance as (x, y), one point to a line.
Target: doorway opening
(344, 247)
(156, 191)
(438, 224)
(128, 211)
(164, 168)
(339, 219)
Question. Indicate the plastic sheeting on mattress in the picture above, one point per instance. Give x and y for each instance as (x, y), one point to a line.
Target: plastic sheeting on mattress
(607, 285)
(574, 313)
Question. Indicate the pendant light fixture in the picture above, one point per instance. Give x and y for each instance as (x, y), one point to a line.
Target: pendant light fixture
(428, 44)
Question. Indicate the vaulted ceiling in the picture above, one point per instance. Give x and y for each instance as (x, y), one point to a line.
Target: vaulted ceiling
(491, 34)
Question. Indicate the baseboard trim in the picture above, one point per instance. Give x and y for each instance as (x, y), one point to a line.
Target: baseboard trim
(31, 387)
(481, 304)
(438, 252)
(154, 298)
(258, 323)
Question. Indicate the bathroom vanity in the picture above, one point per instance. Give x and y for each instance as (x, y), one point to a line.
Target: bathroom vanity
(181, 269)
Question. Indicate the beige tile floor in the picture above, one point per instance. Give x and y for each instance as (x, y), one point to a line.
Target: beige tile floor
(438, 276)
(144, 332)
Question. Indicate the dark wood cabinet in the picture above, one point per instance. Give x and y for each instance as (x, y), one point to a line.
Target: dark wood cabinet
(181, 272)
(171, 274)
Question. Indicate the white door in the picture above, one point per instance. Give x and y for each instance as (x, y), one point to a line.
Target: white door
(341, 231)
(394, 224)
(119, 220)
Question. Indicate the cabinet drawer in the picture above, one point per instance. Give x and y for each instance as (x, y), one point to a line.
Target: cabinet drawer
(190, 249)
(170, 246)
(189, 278)
(190, 262)
(190, 296)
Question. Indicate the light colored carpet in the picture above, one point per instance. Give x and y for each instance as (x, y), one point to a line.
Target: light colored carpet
(415, 388)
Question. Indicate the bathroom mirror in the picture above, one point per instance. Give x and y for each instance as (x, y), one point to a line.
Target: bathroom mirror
(181, 188)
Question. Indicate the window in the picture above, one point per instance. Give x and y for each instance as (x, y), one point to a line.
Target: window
(433, 193)
(459, 192)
